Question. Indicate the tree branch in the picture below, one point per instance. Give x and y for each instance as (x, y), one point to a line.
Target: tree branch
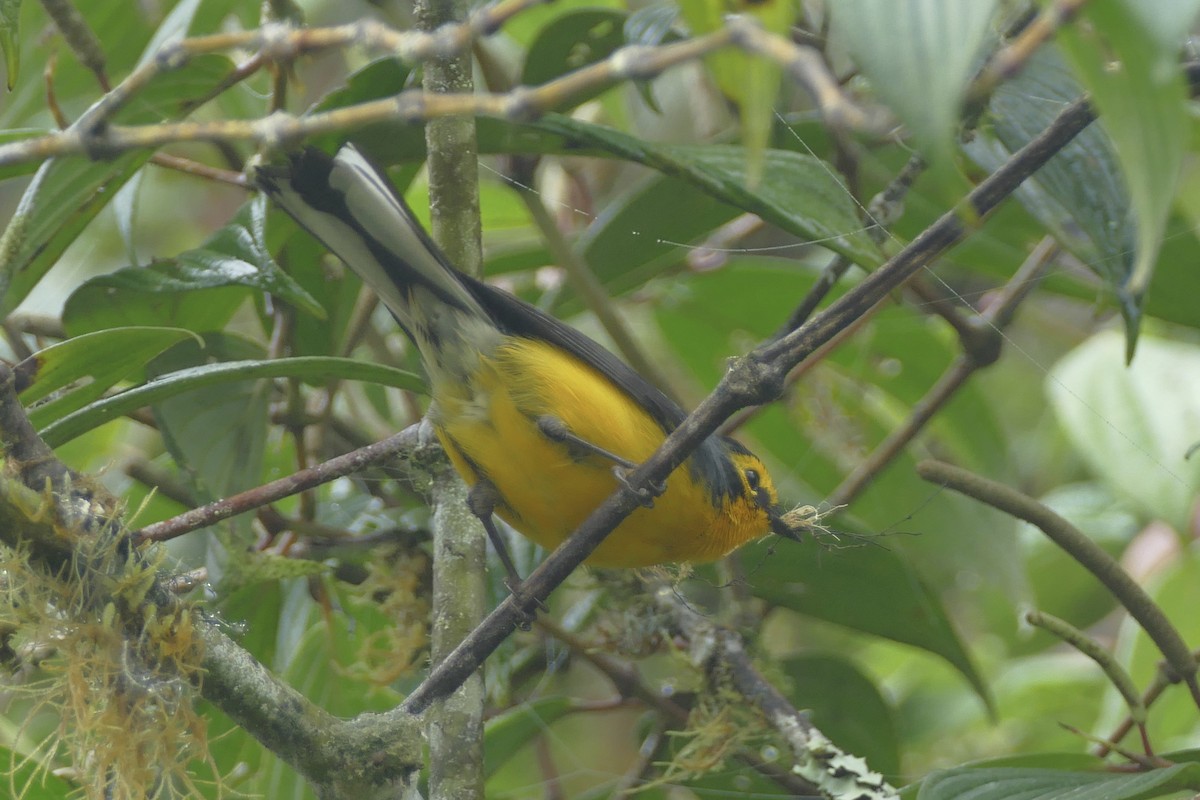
(65, 521)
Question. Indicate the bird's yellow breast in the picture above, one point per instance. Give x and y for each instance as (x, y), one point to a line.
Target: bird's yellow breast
(488, 427)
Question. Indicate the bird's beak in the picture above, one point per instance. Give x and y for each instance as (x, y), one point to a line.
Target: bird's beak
(780, 526)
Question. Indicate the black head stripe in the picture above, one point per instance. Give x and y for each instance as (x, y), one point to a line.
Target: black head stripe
(712, 466)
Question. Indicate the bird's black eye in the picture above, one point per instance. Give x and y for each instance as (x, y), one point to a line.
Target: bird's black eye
(752, 479)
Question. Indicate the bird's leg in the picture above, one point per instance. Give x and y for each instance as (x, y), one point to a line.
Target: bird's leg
(556, 430)
(482, 499)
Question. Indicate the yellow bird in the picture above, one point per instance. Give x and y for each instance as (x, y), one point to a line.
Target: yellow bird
(539, 420)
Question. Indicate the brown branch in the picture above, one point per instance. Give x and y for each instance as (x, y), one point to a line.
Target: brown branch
(300, 481)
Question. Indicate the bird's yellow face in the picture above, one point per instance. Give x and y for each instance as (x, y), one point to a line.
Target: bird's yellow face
(759, 500)
(756, 483)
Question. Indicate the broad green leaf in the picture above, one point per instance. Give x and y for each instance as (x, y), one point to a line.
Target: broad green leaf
(1128, 59)
(10, 39)
(314, 369)
(1079, 194)
(386, 143)
(237, 254)
(506, 734)
(643, 235)
(997, 783)
(800, 194)
(846, 707)
(67, 193)
(571, 41)
(749, 80)
(920, 56)
(216, 432)
(104, 358)
(1134, 425)
(1043, 761)
(867, 588)
(199, 289)
(166, 293)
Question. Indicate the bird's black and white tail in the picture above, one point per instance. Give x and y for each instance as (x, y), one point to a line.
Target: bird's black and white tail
(353, 209)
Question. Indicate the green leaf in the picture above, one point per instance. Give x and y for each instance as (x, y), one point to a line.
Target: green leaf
(749, 80)
(313, 369)
(867, 588)
(215, 432)
(1079, 194)
(160, 294)
(506, 734)
(846, 707)
(67, 193)
(64, 196)
(799, 193)
(920, 56)
(30, 779)
(199, 289)
(237, 255)
(1134, 425)
(104, 357)
(571, 41)
(1044, 784)
(10, 38)
(387, 143)
(1127, 57)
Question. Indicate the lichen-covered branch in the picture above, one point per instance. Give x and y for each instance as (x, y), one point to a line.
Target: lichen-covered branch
(71, 560)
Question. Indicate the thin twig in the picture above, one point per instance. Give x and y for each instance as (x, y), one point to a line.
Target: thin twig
(1087, 553)
(1118, 676)
(300, 481)
(981, 341)
(1009, 60)
(95, 136)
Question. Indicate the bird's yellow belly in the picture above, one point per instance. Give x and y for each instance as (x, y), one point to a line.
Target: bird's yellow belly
(547, 489)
